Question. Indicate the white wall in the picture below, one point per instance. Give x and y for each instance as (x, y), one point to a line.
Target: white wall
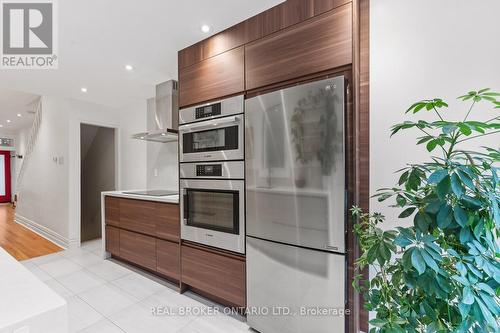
(44, 197)
(425, 49)
(51, 194)
(133, 153)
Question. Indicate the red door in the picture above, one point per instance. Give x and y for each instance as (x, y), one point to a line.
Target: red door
(5, 185)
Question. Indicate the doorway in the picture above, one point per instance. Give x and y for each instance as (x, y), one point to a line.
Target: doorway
(5, 177)
(97, 149)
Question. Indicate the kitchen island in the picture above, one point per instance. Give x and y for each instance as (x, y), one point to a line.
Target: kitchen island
(143, 230)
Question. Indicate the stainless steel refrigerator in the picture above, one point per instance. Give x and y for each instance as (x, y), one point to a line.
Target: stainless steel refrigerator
(296, 208)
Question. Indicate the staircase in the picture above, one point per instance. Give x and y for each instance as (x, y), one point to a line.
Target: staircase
(30, 145)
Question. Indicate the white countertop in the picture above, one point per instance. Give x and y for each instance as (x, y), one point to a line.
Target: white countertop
(168, 198)
(27, 301)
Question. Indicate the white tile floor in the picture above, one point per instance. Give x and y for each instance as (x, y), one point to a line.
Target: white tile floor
(105, 296)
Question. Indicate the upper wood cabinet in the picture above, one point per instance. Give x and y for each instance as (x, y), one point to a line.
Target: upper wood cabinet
(224, 41)
(322, 6)
(268, 22)
(296, 11)
(215, 77)
(190, 55)
(316, 45)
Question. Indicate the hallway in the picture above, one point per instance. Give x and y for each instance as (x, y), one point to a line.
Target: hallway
(19, 241)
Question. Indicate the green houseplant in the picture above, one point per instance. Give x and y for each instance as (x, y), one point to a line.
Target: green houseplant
(443, 273)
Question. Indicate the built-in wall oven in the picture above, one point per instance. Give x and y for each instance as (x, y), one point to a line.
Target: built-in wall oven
(212, 172)
(213, 210)
(212, 132)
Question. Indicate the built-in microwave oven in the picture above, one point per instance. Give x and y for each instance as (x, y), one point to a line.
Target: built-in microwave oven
(213, 206)
(212, 132)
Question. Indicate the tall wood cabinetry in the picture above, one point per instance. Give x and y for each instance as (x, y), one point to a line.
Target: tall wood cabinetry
(293, 42)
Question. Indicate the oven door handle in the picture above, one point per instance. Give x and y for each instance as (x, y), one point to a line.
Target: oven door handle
(185, 207)
(213, 124)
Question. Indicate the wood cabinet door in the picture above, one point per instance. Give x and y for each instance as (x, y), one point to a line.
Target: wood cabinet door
(167, 224)
(215, 77)
(190, 55)
(313, 46)
(113, 240)
(112, 211)
(138, 249)
(321, 6)
(138, 215)
(219, 274)
(168, 259)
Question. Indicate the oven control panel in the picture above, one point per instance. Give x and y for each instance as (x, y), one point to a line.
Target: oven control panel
(209, 170)
(208, 111)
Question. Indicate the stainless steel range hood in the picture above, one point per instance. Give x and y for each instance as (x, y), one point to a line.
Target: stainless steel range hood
(162, 115)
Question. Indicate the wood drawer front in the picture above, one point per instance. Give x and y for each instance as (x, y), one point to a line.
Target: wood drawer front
(167, 222)
(212, 78)
(138, 215)
(220, 275)
(168, 259)
(138, 249)
(112, 211)
(113, 240)
(316, 45)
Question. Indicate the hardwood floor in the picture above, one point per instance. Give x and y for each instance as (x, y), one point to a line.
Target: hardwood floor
(19, 241)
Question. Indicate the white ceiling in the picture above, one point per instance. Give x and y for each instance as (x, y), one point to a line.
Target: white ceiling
(13, 103)
(98, 37)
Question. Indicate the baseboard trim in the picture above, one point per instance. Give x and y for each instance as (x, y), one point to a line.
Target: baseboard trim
(45, 232)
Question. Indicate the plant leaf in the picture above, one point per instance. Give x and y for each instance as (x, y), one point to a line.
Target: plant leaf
(466, 179)
(429, 261)
(418, 261)
(444, 216)
(443, 187)
(431, 145)
(464, 129)
(378, 322)
(486, 313)
(460, 216)
(437, 176)
(456, 185)
(422, 221)
(407, 212)
(467, 297)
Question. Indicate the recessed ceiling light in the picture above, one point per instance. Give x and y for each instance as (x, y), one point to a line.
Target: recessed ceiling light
(8, 120)
(205, 28)
(1, 125)
(83, 89)
(19, 115)
(129, 67)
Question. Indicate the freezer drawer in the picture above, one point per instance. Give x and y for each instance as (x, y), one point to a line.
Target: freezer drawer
(284, 278)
